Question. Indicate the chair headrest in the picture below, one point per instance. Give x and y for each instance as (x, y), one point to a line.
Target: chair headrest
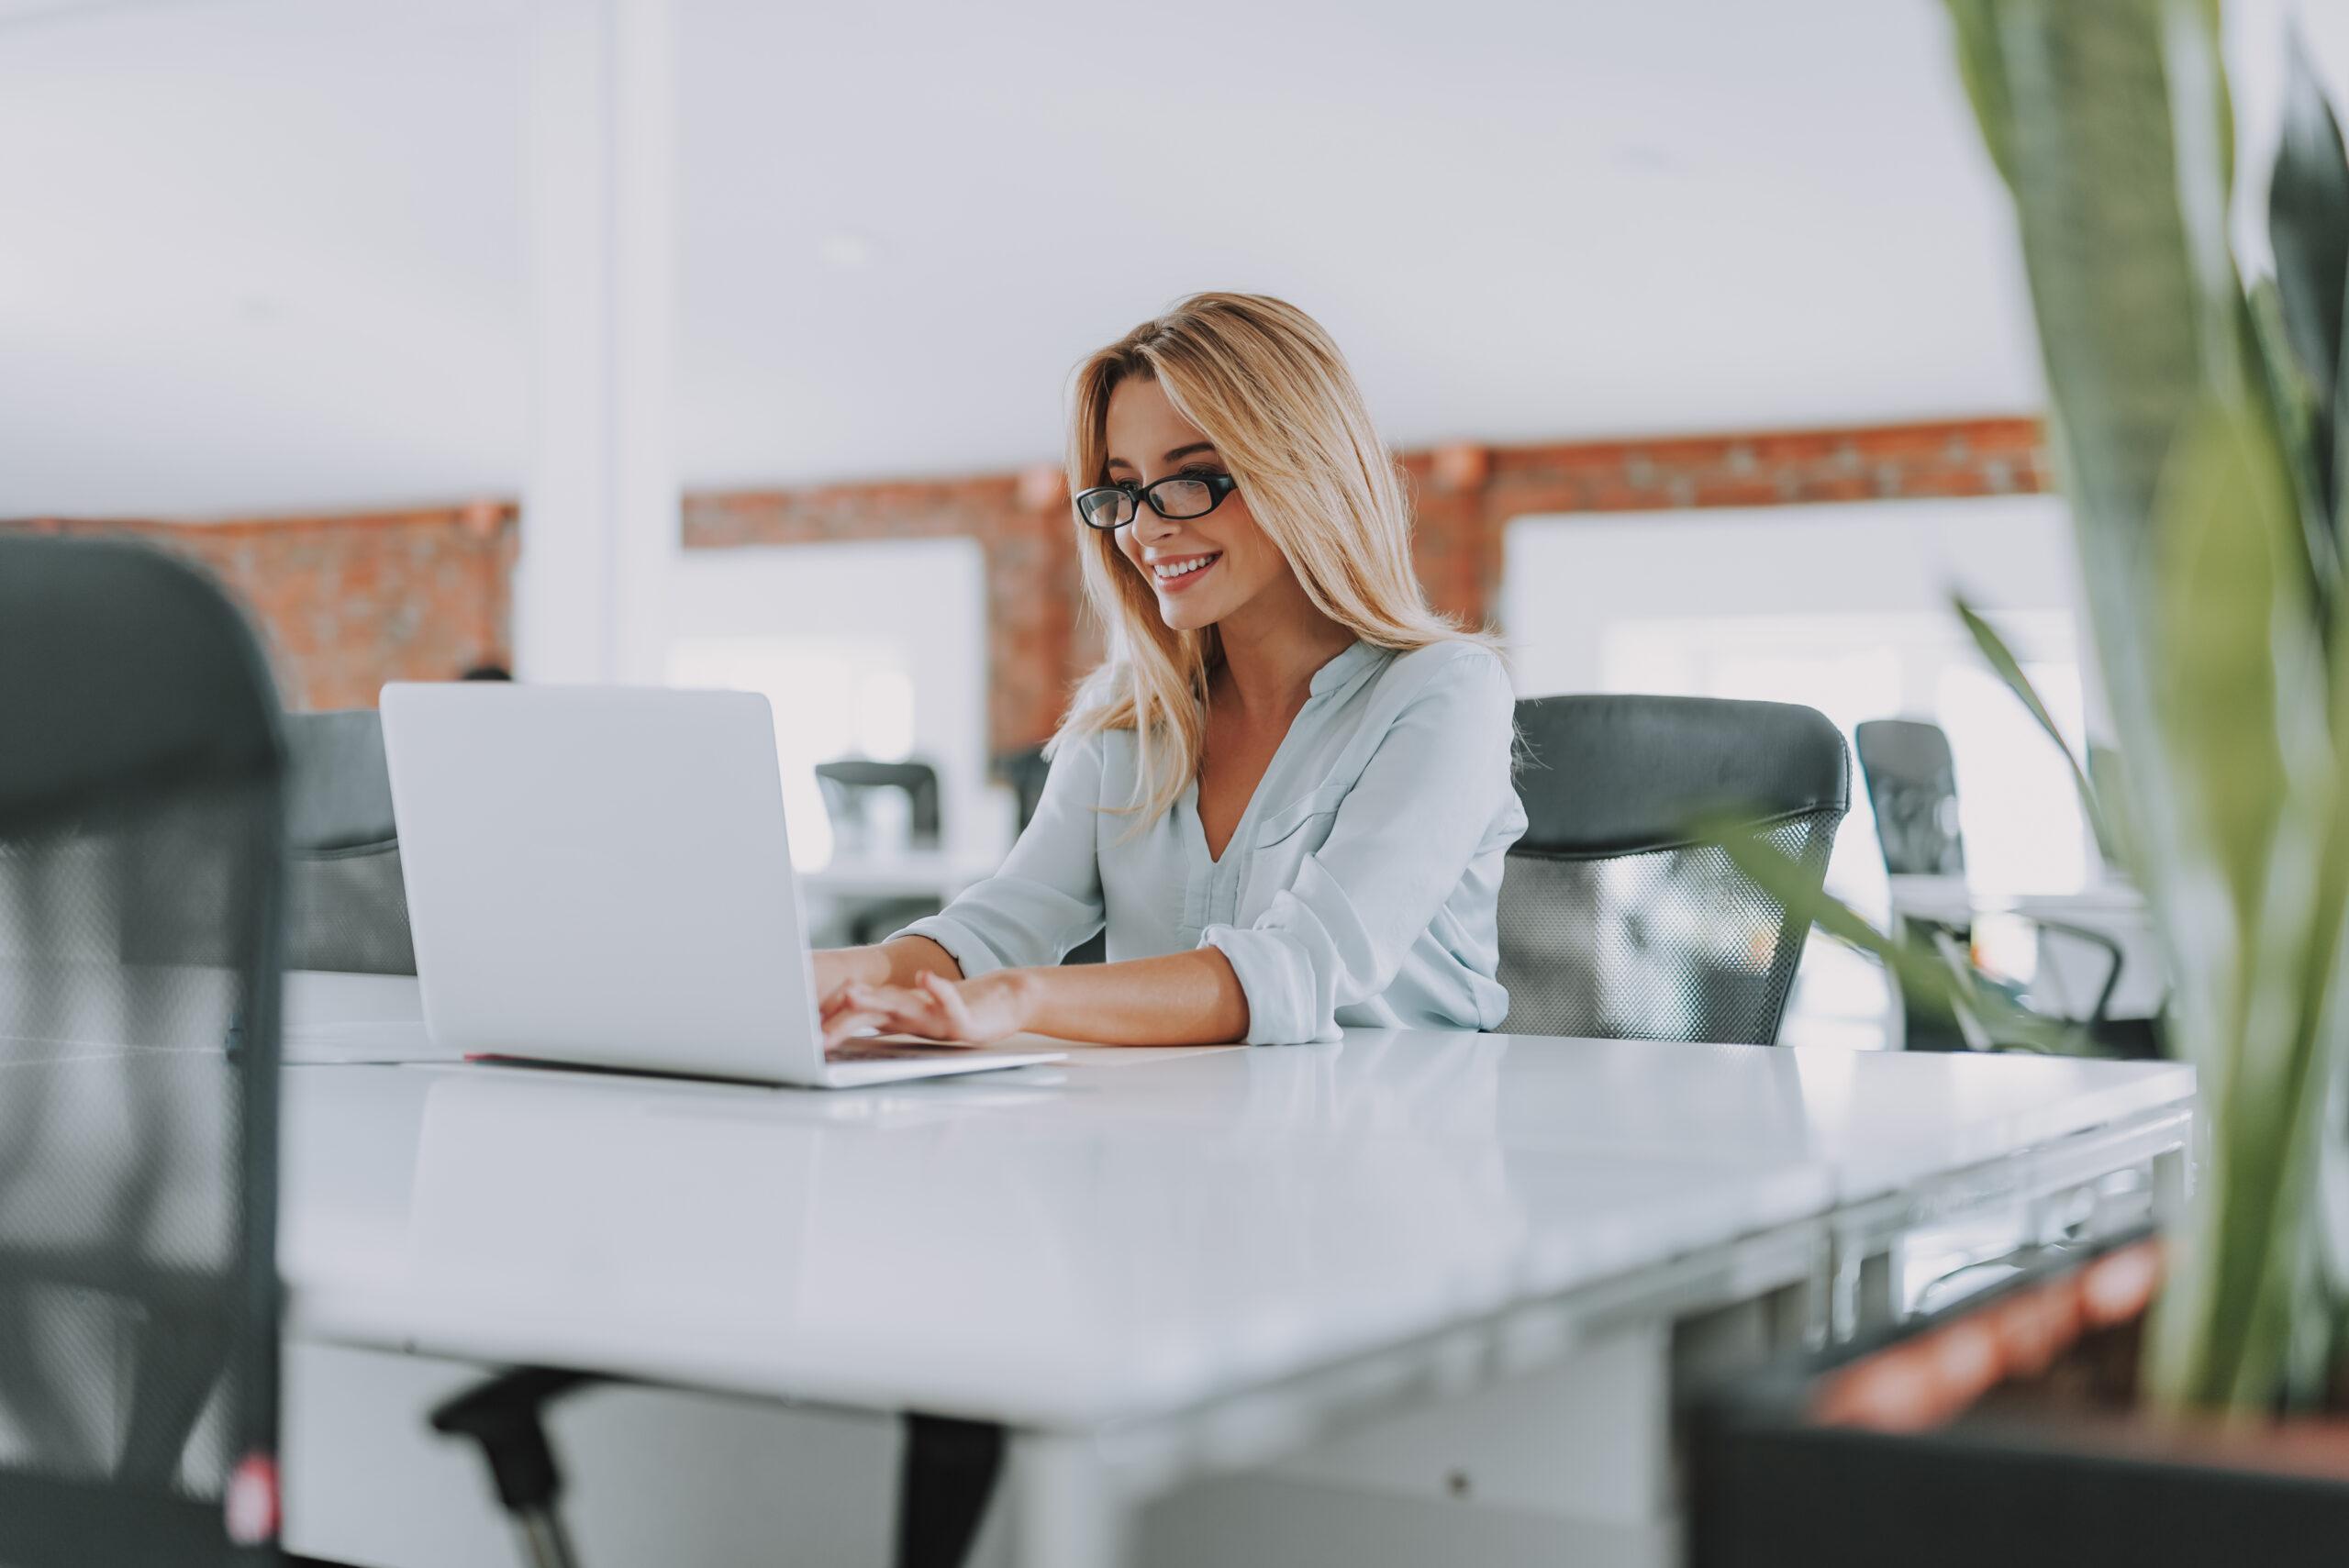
(1616, 774)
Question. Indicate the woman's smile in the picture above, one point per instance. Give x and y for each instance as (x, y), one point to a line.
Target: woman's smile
(1174, 573)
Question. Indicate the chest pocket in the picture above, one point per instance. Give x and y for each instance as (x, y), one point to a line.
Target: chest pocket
(1283, 840)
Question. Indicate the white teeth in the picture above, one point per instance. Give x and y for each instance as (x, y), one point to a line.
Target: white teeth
(1182, 569)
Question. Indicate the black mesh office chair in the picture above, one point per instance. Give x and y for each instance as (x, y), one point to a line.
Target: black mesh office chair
(1912, 788)
(851, 785)
(1025, 771)
(346, 904)
(140, 873)
(1617, 919)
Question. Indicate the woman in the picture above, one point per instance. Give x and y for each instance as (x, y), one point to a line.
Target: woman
(1287, 793)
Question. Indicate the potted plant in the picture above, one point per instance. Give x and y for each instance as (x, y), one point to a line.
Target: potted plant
(2202, 429)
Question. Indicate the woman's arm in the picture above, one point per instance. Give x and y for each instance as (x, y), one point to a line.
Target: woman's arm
(1045, 900)
(900, 961)
(1183, 999)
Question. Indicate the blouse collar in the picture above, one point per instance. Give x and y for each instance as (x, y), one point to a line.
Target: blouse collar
(1341, 671)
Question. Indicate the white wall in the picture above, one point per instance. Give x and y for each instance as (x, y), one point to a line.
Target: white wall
(1569, 579)
(919, 603)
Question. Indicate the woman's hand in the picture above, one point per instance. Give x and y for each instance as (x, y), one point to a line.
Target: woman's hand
(896, 963)
(833, 970)
(964, 1012)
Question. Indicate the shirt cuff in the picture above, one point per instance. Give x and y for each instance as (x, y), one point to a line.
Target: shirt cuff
(971, 955)
(1276, 976)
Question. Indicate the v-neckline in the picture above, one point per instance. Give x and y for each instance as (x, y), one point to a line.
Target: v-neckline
(1323, 682)
(1247, 812)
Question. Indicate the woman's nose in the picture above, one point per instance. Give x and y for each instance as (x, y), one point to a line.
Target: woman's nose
(1147, 526)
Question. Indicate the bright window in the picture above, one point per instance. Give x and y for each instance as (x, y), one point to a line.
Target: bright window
(865, 649)
(831, 700)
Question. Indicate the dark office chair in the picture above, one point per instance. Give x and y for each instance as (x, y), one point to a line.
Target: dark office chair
(1618, 917)
(1025, 771)
(139, 785)
(850, 787)
(346, 903)
(1912, 788)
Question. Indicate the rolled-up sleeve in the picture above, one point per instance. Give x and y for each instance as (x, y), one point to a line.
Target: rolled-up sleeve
(1047, 897)
(1401, 842)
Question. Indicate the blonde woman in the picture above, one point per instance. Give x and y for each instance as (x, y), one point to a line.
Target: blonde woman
(1287, 793)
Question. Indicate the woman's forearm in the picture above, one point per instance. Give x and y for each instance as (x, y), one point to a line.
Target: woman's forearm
(1183, 998)
(898, 962)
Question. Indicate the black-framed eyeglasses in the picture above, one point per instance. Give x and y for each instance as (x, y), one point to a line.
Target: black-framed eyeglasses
(1176, 498)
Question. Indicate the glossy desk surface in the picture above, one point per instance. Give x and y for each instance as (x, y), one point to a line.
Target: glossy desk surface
(1068, 1246)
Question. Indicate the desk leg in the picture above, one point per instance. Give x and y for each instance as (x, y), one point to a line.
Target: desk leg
(949, 1476)
(1069, 1513)
(2174, 1182)
(1863, 1288)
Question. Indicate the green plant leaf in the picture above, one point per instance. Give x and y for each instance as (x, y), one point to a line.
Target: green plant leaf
(2223, 519)
(2108, 775)
(1974, 24)
(2307, 214)
(1923, 973)
(2008, 669)
(2291, 401)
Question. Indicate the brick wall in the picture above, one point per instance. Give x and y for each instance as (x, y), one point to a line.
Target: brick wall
(345, 603)
(1465, 498)
(349, 601)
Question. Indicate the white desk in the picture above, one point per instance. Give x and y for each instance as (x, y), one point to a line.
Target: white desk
(2073, 970)
(1155, 1272)
(912, 874)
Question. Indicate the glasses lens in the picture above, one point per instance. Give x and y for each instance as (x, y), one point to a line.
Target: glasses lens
(1106, 508)
(1182, 497)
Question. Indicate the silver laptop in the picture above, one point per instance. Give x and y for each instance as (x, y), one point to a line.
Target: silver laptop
(600, 877)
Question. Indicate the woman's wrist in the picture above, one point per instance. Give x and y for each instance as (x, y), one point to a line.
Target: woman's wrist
(1017, 991)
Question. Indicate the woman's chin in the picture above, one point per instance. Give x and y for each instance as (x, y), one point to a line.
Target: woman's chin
(1182, 615)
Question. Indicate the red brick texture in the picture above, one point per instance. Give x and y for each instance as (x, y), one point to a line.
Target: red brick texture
(347, 603)
(344, 604)
(1463, 498)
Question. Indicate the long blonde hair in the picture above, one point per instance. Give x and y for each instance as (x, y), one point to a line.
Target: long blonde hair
(1264, 382)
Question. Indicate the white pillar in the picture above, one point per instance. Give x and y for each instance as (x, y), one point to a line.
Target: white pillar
(599, 528)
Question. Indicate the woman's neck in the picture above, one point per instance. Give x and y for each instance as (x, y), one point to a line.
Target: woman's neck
(1273, 647)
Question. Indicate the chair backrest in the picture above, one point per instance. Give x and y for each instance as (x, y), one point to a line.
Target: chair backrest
(1618, 917)
(1912, 788)
(849, 785)
(1025, 771)
(346, 906)
(138, 1303)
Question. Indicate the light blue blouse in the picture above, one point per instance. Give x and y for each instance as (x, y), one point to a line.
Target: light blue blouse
(1358, 888)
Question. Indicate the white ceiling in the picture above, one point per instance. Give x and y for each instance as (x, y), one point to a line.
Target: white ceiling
(267, 255)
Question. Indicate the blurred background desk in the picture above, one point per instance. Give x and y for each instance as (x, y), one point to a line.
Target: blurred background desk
(858, 898)
(1448, 1280)
(935, 874)
(2074, 940)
